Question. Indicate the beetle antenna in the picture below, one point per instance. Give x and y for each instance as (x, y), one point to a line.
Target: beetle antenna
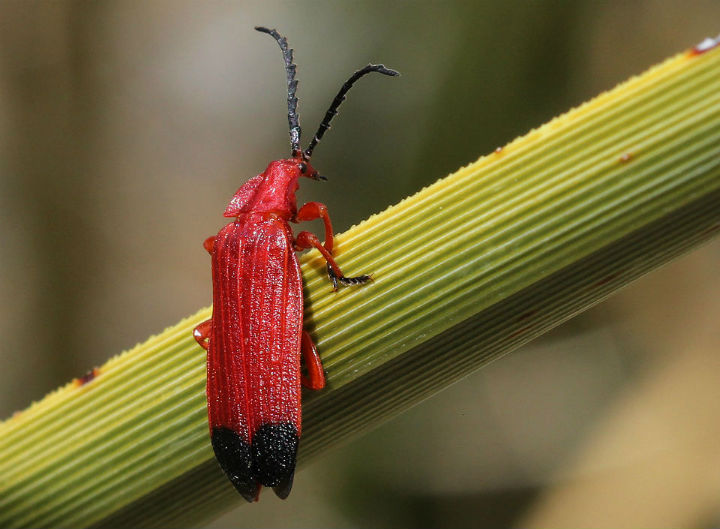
(291, 87)
(333, 110)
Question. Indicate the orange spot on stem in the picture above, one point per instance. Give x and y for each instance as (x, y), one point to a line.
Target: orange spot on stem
(87, 377)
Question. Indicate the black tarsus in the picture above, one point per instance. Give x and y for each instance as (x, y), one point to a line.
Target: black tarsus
(293, 120)
(347, 281)
(340, 97)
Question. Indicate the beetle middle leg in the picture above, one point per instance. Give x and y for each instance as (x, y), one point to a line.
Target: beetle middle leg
(305, 240)
(209, 244)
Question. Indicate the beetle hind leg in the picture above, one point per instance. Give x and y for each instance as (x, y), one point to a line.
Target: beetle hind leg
(201, 333)
(315, 378)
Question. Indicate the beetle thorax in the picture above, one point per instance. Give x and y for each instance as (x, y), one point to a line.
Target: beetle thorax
(270, 192)
(276, 193)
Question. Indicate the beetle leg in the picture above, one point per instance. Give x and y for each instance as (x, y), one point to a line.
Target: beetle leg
(305, 240)
(315, 378)
(209, 244)
(316, 210)
(202, 334)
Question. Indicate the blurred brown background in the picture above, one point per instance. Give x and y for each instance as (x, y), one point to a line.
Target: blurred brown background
(126, 126)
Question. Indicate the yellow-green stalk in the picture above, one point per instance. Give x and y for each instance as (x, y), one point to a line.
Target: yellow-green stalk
(464, 271)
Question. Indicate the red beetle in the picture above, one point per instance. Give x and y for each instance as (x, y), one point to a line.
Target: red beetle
(255, 337)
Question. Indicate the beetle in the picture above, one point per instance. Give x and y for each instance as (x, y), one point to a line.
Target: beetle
(255, 337)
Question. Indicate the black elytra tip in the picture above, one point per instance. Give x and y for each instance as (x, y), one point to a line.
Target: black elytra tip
(269, 460)
(233, 455)
(283, 489)
(274, 451)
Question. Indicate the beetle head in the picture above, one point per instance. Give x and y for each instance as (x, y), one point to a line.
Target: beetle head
(274, 190)
(303, 165)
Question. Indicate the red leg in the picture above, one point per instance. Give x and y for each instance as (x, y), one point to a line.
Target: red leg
(305, 240)
(316, 210)
(209, 244)
(316, 376)
(202, 334)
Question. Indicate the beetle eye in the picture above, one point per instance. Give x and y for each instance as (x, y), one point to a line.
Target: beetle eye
(303, 167)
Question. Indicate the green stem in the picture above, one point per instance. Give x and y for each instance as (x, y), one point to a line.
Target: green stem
(464, 271)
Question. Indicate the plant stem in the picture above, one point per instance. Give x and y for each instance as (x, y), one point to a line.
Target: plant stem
(464, 271)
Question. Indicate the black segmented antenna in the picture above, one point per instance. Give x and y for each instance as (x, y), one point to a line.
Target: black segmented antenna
(291, 87)
(333, 110)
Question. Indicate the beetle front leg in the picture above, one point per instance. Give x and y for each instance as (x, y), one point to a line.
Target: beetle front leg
(202, 334)
(306, 240)
(315, 378)
(316, 210)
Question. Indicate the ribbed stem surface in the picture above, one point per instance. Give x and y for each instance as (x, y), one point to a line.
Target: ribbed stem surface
(464, 271)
